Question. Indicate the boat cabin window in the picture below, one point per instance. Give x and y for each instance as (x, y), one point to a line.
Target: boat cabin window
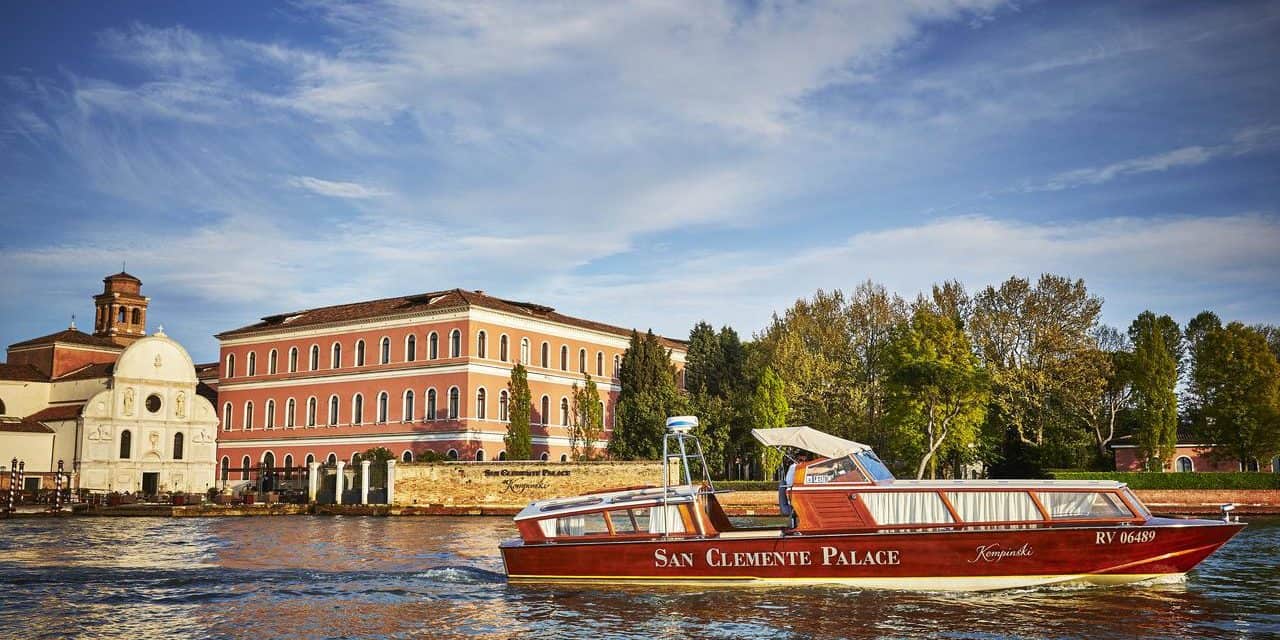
(906, 507)
(586, 524)
(637, 520)
(873, 465)
(831, 471)
(1091, 504)
(994, 506)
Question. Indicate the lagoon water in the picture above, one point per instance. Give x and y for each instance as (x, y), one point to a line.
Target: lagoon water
(434, 577)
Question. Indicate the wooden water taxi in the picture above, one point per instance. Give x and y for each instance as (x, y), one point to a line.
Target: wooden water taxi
(855, 524)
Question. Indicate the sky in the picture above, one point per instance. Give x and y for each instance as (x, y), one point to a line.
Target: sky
(645, 164)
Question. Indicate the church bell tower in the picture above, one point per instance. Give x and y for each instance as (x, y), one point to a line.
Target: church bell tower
(121, 314)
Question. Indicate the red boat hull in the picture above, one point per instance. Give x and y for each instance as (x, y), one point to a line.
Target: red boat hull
(935, 560)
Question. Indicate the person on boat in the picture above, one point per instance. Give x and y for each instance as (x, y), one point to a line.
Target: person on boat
(785, 483)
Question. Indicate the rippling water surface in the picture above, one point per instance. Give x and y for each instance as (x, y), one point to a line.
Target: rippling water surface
(442, 578)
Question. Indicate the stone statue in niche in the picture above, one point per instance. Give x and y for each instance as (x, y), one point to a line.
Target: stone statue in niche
(128, 401)
(158, 363)
(101, 432)
(201, 437)
(180, 404)
(154, 438)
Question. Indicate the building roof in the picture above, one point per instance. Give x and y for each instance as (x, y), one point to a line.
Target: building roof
(207, 370)
(21, 373)
(59, 412)
(1185, 438)
(73, 336)
(89, 372)
(122, 276)
(23, 425)
(447, 299)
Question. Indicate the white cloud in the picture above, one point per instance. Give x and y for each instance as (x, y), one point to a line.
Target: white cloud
(336, 189)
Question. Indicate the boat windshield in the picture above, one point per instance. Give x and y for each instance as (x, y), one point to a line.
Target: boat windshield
(873, 465)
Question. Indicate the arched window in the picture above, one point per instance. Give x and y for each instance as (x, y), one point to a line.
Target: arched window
(293, 359)
(383, 402)
(479, 455)
(288, 463)
(253, 364)
(1184, 465)
(410, 348)
(226, 468)
(481, 350)
(1251, 465)
(126, 444)
(335, 359)
(564, 357)
(2, 407)
(314, 361)
(272, 359)
(407, 456)
(452, 454)
(407, 416)
(617, 366)
(546, 356)
(332, 459)
(244, 468)
(1275, 464)
(269, 460)
(504, 413)
(599, 363)
(582, 360)
(311, 411)
(564, 457)
(226, 417)
(122, 317)
(311, 457)
(564, 412)
(384, 351)
(137, 316)
(271, 414)
(333, 411)
(455, 344)
(545, 416)
(453, 403)
(503, 348)
(289, 407)
(544, 457)
(248, 415)
(433, 346)
(360, 353)
(481, 414)
(431, 405)
(357, 409)
(231, 365)
(502, 455)
(524, 351)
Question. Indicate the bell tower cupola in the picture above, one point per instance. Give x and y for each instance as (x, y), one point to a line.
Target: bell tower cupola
(121, 314)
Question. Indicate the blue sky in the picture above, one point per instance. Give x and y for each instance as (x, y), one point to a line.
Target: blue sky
(646, 164)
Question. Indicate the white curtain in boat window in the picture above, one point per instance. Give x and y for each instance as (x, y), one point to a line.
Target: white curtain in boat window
(993, 506)
(906, 507)
(1062, 504)
(675, 524)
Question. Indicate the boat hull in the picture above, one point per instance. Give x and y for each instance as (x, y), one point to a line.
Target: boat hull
(928, 561)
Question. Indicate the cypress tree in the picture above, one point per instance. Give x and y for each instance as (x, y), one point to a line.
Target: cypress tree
(518, 440)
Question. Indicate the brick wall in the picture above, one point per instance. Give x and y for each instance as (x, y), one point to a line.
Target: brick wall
(513, 484)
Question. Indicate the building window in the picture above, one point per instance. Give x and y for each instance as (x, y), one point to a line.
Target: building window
(288, 463)
(333, 411)
(564, 357)
(407, 416)
(231, 365)
(271, 414)
(481, 350)
(407, 456)
(600, 363)
(582, 360)
(481, 414)
(384, 351)
(335, 359)
(503, 346)
(226, 468)
(226, 417)
(357, 409)
(502, 455)
(564, 457)
(455, 344)
(382, 407)
(1275, 464)
(136, 316)
(544, 417)
(617, 366)
(289, 407)
(452, 454)
(122, 317)
(431, 405)
(293, 359)
(453, 403)
(253, 364)
(177, 446)
(359, 353)
(564, 412)
(544, 457)
(479, 455)
(311, 457)
(433, 346)
(271, 361)
(248, 415)
(524, 351)
(546, 356)
(244, 468)
(311, 411)
(126, 444)
(1183, 464)
(410, 348)
(314, 361)
(504, 413)
(332, 459)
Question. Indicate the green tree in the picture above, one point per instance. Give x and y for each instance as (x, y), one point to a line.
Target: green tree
(1114, 390)
(716, 416)
(938, 392)
(647, 398)
(588, 419)
(769, 410)
(1154, 373)
(1236, 386)
(519, 438)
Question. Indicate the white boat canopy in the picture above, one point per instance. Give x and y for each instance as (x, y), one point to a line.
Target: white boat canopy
(810, 440)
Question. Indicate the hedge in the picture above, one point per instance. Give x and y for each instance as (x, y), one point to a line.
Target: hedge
(1148, 480)
(747, 485)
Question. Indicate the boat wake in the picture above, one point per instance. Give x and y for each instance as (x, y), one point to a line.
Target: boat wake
(461, 575)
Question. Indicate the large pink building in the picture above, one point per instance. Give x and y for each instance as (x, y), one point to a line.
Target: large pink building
(417, 373)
